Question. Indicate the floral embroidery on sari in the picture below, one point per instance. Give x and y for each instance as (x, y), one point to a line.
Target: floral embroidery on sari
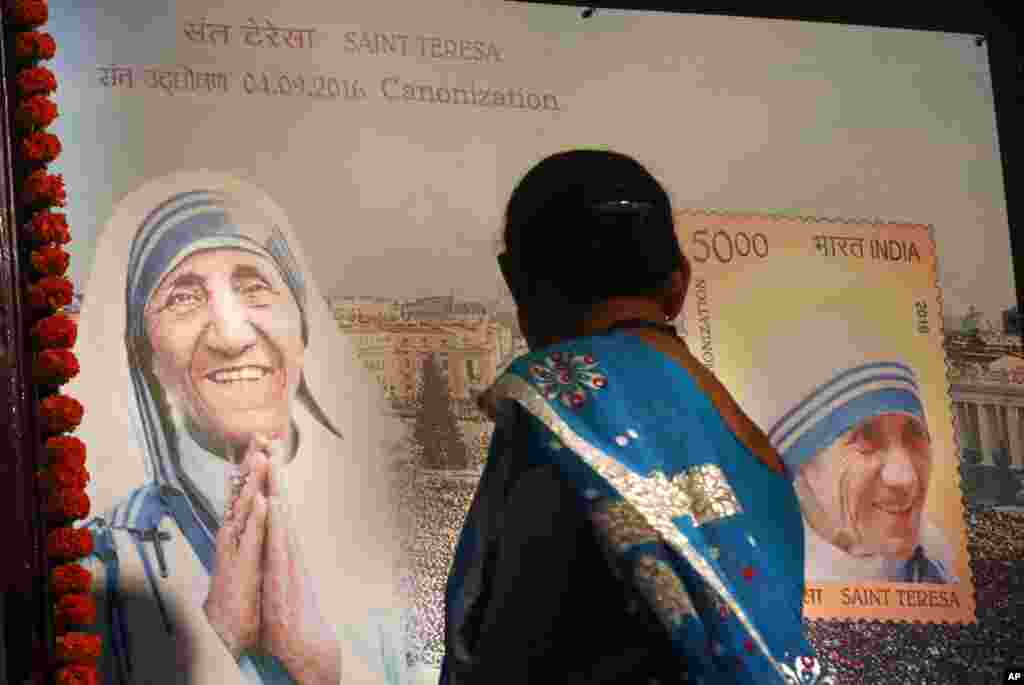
(567, 377)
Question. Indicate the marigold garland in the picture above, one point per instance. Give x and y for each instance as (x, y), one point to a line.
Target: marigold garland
(78, 647)
(31, 46)
(29, 13)
(35, 81)
(50, 294)
(68, 544)
(60, 414)
(78, 608)
(68, 504)
(47, 227)
(56, 476)
(41, 190)
(78, 674)
(40, 147)
(65, 451)
(37, 112)
(58, 330)
(51, 261)
(55, 367)
(63, 477)
(68, 578)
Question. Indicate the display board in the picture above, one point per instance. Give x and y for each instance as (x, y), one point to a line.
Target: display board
(365, 152)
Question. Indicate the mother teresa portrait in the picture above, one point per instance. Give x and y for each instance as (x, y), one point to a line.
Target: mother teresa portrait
(847, 418)
(245, 531)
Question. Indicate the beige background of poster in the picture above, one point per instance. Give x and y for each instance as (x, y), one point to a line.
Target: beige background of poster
(730, 113)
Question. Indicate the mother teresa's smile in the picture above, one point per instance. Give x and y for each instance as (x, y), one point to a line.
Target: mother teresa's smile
(241, 387)
(239, 373)
(894, 509)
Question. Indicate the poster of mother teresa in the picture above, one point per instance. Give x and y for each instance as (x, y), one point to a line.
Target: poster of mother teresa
(244, 527)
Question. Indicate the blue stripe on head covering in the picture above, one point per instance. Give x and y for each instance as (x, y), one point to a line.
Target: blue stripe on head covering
(839, 405)
(833, 392)
(840, 383)
(814, 436)
(177, 228)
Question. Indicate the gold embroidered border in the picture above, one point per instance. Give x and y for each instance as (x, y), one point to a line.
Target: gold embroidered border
(717, 602)
(622, 525)
(712, 496)
(643, 498)
(702, 493)
(664, 590)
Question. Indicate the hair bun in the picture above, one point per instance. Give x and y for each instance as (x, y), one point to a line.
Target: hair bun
(592, 224)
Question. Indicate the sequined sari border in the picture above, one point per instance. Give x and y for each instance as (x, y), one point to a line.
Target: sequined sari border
(511, 386)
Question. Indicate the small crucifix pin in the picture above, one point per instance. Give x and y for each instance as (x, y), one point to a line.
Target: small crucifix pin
(157, 537)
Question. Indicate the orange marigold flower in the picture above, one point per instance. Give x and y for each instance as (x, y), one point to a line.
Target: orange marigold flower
(49, 227)
(50, 293)
(68, 578)
(30, 46)
(78, 674)
(65, 450)
(29, 12)
(60, 414)
(75, 609)
(79, 647)
(35, 81)
(68, 543)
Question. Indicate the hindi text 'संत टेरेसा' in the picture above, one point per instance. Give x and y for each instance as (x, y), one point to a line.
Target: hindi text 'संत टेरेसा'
(253, 34)
(267, 34)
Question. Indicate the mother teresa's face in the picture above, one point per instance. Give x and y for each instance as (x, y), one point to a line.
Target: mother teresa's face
(873, 482)
(226, 335)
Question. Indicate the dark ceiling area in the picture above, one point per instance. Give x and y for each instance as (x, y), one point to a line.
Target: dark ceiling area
(981, 18)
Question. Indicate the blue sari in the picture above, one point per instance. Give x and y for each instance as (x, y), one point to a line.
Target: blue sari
(711, 537)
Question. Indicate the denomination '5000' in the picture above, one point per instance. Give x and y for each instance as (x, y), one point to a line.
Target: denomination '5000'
(725, 246)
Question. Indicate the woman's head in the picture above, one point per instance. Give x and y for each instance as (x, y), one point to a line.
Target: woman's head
(216, 318)
(584, 227)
